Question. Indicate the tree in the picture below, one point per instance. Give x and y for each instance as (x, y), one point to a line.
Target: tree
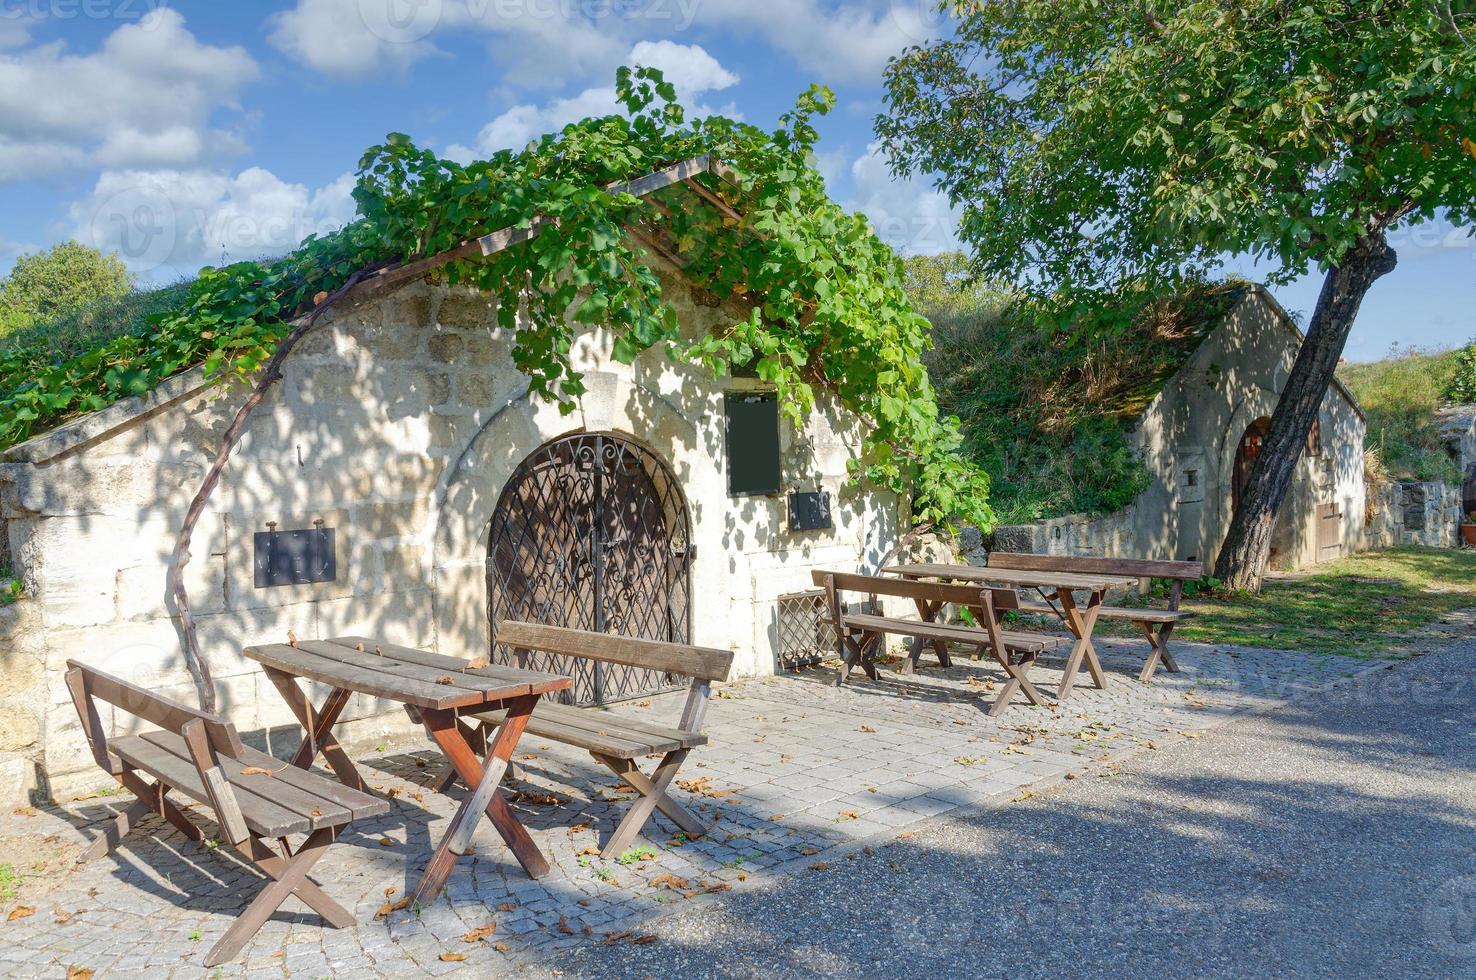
(1098, 145)
(61, 279)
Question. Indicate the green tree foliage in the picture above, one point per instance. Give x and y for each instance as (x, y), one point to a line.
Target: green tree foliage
(1097, 145)
(826, 307)
(59, 280)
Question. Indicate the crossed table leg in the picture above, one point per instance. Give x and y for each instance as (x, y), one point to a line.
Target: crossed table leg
(455, 741)
(1081, 625)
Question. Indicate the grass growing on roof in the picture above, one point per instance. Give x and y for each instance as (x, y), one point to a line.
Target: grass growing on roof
(1047, 413)
(1399, 396)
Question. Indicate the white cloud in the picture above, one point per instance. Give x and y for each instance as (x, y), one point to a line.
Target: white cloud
(356, 38)
(690, 68)
(838, 41)
(145, 97)
(546, 43)
(167, 223)
(909, 216)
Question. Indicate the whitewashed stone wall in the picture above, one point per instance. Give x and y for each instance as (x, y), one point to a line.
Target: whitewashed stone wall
(1188, 437)
(397, 423)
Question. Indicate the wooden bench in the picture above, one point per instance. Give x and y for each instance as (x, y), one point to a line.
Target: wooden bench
(258, 800)
(856, 633)
(1156, 624)
(617, 740)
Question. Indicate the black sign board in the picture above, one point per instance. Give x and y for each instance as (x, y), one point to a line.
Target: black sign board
(753, 443)
(809, 512)
(295, 557)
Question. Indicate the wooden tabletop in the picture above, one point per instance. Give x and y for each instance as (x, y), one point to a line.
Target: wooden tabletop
(415, 677)
(1085, 582)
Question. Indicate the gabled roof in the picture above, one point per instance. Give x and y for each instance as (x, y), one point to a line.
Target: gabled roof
(1280, 312)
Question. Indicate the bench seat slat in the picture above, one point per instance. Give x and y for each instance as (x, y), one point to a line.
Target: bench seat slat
(1014, 640)
(1121, 612)
(359, 805)
(168, 760)
(600, 731)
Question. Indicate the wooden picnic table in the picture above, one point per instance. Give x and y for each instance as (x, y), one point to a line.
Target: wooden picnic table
(1058, 587)
(434, 689)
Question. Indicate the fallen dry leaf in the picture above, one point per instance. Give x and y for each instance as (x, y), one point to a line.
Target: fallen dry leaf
(61, 918)
(386, 842)
(506, 907)
(777, 817)
(1191, 734)
(820, 866)
(452, 957)
(807, 851)
(20, 912)
(476, 663)
(645, 940)
(564, 926)
(670, 881)
(446, 679)
(907, 835)
(359, 647)
(868, 729)
(79, 973)
(479, 933)
(847, 815)
(502, 947)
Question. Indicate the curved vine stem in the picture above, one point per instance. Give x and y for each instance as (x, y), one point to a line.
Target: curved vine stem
(195, 661)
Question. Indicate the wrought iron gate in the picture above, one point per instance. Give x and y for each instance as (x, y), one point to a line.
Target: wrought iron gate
(592, 533)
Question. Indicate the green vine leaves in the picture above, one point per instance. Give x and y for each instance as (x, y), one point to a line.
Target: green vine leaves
(827, 310)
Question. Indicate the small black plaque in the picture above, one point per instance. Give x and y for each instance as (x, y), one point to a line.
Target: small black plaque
(809, 512)
(295, 557)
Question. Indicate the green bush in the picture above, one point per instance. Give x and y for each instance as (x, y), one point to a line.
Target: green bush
(61, 279)
(1462, 386)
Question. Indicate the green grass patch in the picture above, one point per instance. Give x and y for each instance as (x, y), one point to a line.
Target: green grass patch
(91, 325)
(1367, 606)
(1399, 396)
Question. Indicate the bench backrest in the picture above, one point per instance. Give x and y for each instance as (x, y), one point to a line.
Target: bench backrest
(207, 736)
(1135, 567)
(166, 713)
(700, 663)
(963, 595)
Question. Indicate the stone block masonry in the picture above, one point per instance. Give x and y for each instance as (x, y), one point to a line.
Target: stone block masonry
(397, 423)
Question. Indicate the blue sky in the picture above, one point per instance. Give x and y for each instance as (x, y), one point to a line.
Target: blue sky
(185, 131)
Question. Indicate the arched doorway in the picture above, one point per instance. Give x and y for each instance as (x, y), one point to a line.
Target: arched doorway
(591, 532)
(1246, 454)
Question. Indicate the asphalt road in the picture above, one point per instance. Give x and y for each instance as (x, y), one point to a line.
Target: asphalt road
(1335, 837)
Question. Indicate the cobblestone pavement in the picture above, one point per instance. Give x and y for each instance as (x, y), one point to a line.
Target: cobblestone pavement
(798, 772)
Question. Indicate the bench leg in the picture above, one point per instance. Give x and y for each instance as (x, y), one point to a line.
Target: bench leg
(1158, 641)
(653, 795)
(151, 799)
(1017, 683)
(270, 898)
(855, 653)
(308, 891)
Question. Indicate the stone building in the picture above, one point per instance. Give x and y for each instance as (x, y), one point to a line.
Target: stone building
(402, 461)
(1198, 437)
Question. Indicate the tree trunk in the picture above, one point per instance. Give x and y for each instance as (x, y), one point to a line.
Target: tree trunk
(1242, 561)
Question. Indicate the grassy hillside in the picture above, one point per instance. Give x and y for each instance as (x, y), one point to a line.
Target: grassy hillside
(1399, 395)
(1046, 413)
